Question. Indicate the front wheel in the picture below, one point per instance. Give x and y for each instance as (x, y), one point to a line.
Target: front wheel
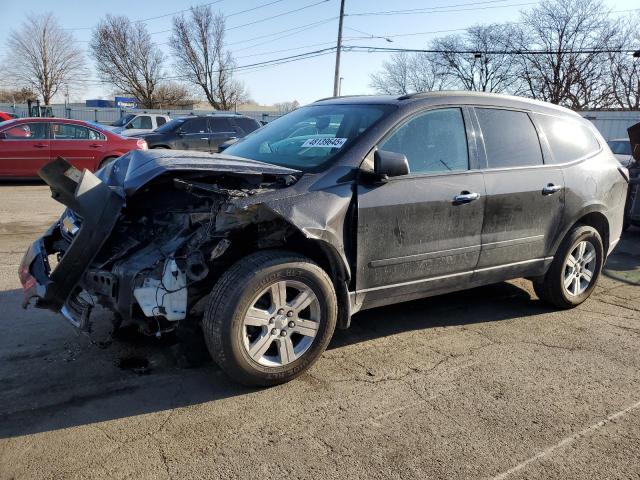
(270, 316)
(575, 269)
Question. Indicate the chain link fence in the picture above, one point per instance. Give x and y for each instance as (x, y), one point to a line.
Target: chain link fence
(107, 116)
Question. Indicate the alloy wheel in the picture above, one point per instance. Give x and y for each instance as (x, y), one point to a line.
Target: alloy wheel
(281, 323)
(579, 268)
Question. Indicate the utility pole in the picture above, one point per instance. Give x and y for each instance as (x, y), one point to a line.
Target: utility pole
(336, 75)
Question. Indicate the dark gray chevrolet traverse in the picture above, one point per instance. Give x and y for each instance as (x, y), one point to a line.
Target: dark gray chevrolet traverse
(342, 205)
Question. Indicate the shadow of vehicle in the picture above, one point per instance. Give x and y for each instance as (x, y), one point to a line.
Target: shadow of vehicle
(624, 264)
(53, 378)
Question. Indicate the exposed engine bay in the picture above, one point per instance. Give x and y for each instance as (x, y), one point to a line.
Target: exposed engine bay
(168, 246)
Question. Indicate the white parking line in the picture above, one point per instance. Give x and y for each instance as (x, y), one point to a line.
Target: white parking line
(566, 441)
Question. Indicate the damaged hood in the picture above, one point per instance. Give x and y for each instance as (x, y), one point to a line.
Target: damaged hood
(138, 167)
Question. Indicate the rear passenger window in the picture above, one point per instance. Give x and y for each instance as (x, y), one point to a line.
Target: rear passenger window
(143, 122)
(160, 121)
(510, 139)
(568, 139)
(247, 124)
(221, 125)
(435, 141)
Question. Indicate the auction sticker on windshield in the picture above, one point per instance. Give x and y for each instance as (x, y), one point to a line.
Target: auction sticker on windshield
(325, 142)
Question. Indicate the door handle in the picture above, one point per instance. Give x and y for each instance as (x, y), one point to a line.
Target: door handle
(550, 189)
(465, 197)
(204, 138)
(95, 145)
(40, 145)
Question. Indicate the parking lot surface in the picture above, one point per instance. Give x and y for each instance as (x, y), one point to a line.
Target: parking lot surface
(488, 383)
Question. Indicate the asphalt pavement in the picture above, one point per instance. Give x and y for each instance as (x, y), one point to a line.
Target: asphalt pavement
(488, 383)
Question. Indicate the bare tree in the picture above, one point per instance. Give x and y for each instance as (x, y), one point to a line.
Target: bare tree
(172, 94)
(478, 60)
(625, 69)
(565, 76)
(127, 58)
(19, 95)
(408, 73)
(286, 107)
(44, 57)
(198, 46)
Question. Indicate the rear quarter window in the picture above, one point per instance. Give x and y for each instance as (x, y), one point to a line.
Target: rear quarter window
(569, 140)
(510, 139)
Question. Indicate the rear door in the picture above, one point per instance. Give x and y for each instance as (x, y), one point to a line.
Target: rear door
(24, 149)
(221, 131)
(194, 135)
(79, 145)
(525, 196)
(415, 234)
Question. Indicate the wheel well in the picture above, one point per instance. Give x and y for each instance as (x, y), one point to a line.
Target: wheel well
(106, 160)
(161, 146)
(598, 221)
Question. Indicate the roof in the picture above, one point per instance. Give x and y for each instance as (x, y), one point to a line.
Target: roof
(451, 96)
(49, 119)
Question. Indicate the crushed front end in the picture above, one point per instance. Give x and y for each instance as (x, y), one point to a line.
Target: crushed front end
(148, 249)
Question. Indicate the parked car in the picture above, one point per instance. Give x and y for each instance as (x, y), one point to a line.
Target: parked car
(4, 116)
(272, 246)
(204, 133)
(135, 123)
(27, 144)
(632, 210)
(621, 148)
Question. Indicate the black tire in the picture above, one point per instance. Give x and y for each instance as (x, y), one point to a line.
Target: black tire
(107, 161)
(232, 296)
(550, 288)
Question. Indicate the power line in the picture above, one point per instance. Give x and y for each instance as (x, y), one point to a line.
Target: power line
(159, 16)
(231, 14)
(421, 11)
(277, 16)
(361, 49)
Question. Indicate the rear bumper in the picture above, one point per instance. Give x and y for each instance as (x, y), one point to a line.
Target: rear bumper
(98, 205)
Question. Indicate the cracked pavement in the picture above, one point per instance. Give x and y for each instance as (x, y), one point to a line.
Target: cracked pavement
(488, 383)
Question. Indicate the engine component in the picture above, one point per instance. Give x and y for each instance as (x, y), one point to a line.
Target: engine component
(166, 297)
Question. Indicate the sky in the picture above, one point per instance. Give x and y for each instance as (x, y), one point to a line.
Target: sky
(305, 26)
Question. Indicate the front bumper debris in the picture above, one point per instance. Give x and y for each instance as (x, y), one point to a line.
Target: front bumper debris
(99, 207)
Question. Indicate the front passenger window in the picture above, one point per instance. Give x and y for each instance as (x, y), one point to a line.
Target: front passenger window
(434, 141)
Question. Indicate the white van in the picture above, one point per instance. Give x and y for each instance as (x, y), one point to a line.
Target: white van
(133, 123)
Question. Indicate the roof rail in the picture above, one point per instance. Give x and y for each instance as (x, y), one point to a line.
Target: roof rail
(413, 95)
(340, 96)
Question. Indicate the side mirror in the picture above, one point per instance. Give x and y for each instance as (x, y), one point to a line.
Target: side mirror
(389, 164)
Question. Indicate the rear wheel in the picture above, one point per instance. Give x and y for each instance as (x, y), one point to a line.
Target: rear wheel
(270, 316)
(107, 161)
(575, 269)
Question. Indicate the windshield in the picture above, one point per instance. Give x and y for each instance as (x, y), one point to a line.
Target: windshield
(124, 120)
(309, 137)
(620, 147)
(170, 126)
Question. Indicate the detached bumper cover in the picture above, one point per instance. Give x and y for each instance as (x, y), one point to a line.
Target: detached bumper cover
(98, 205)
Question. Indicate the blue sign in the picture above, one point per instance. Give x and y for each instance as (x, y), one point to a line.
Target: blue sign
(126, 102)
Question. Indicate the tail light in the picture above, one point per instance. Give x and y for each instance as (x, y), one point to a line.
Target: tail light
(142, 145)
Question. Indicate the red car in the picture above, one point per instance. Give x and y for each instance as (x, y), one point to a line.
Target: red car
(26, 144)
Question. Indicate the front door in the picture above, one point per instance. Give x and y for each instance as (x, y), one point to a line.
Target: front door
(24, 148)
(525, 197)
(420, 233)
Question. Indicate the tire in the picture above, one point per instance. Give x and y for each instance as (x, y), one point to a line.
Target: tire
(107, 161)
(256, 281)
(551, 288)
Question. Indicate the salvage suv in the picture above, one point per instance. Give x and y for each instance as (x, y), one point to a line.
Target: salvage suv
(343, 205)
